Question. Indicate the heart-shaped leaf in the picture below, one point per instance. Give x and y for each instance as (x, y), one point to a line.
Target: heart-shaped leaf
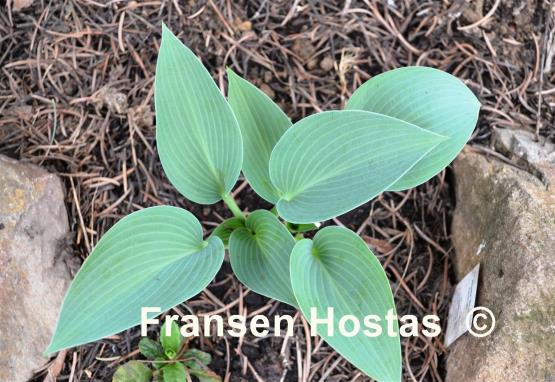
(198, 139)
(332, 162)
(155, 257)
(337, 270)
(262, 124)
(430, 99)
(259, 255)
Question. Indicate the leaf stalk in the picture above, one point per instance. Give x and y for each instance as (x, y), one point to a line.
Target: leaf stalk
(232, 205)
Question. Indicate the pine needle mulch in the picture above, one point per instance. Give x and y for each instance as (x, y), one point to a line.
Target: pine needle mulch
(76, 96)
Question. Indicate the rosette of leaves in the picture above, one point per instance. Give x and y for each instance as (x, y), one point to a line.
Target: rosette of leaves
(170, 358)
(399, 129)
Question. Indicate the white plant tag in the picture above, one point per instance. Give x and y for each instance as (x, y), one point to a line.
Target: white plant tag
(462, 305)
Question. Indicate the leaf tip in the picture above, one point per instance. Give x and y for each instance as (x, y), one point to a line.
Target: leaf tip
(233, 80)
(230, 72)
(165, 30)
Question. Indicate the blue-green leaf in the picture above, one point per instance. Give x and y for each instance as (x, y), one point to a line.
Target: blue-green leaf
(155, 257)
(259, 255)
(332, 162)
(430, 99)
(198, 139)
(262, 124)
(337, 270)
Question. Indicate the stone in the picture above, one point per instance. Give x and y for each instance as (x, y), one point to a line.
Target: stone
(521, 146)
(505, 220)
(33, 277)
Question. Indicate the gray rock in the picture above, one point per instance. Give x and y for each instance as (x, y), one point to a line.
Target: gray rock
(521, 146)
(505, 220)
(33, 280)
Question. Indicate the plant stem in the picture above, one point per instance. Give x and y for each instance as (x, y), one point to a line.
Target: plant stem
(232, 205)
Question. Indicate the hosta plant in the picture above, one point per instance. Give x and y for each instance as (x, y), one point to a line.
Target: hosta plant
(398, 130)
(168, 360)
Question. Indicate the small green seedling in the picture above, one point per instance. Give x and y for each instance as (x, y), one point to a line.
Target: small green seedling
(171, 361)
(398, 130)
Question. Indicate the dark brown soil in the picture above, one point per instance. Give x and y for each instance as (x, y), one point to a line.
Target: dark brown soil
(76, 97)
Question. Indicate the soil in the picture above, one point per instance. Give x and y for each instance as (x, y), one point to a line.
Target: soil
(76, 96)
